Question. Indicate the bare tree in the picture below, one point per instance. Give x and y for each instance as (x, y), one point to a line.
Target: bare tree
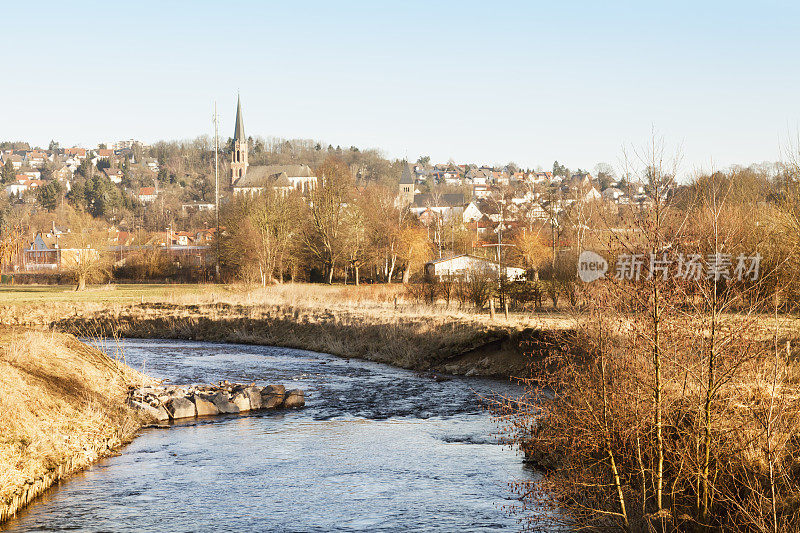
(328, 203)
(83, 250)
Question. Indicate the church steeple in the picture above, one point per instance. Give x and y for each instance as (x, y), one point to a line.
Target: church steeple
(239, 153)
(238, 133)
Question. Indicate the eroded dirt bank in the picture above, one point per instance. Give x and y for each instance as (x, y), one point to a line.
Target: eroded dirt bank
(426, 343)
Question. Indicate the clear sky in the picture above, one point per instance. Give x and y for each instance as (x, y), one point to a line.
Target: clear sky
(490, 82)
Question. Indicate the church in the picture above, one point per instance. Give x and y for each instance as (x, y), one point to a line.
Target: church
(252, 180)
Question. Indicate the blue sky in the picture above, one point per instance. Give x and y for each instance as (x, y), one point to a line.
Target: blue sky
(529, 82)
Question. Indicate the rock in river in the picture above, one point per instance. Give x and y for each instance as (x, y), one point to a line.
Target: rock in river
(166, 402)
(272, 396)
(241, 400)
(205, 407)
(254, 394)
(159, 413)
(294, 398)
(222, 400)
(181, 407)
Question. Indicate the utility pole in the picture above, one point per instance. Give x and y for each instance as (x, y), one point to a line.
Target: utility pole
(500, 242)
(216, 184)
(500, 271)
(553, 242)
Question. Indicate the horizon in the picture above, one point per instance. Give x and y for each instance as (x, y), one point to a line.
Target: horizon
(450, 81)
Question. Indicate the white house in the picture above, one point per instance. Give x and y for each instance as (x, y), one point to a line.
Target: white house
(147, 194)
(478, 176)
(16, 160)
(471, 213)
(114, 174)
(466, 266)
(591, 195)
(23, 184)
(443, 205)
(35, 159)
(197, 207)
(612, 194)
(16, 188)
(481, 191)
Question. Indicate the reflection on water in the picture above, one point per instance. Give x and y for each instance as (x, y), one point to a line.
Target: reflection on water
(376, 449)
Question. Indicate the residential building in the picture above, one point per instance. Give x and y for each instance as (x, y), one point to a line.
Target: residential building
(471, 213)
(16, 160)
(46, 252)
(114, 174)
(35, 158)
(78, 153)
(443, 205)
(196, 207)
(147, 194)
(466, 266)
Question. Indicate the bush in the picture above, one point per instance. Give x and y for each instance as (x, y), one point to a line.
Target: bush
(427, 291)
(523, 294)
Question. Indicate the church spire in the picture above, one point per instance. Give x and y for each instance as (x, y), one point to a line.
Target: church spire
(239, 154)
(238, 134)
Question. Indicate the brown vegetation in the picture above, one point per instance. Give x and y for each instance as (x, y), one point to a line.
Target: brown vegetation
(674, 405)
(376, 322)
(61, 407)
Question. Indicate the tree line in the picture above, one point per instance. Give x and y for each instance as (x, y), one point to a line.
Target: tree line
(339, 231)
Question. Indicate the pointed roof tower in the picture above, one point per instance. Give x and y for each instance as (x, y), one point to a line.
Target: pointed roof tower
(407, 178)
(238, 134)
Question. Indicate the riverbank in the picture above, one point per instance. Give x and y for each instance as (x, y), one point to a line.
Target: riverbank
(376, 323)
(62, 407)
(64, 402)
(439, 464)
(412, 341)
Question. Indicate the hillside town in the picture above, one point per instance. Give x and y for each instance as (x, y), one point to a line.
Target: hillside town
(412, 266)
(152, 212)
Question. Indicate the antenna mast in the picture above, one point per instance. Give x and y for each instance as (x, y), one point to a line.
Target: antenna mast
(216, 183)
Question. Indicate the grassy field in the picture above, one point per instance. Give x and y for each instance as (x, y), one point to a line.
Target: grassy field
(30, 304)
(22, 294)
(43, 305)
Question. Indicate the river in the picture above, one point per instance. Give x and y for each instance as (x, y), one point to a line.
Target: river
(377, 448)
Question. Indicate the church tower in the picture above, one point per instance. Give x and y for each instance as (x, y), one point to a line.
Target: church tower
(239, 154)
(407, 183)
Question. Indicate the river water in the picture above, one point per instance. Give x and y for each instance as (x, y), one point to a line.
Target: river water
(376, 449)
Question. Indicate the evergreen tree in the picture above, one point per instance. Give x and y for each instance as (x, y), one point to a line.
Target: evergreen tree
(77, 195)
(102, 197)
(86, 169)
(8, 173)
(49, 196)
(47, 170)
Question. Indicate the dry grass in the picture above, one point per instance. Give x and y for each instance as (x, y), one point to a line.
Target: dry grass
(41, 305)
(375, 322)
(60, 400)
